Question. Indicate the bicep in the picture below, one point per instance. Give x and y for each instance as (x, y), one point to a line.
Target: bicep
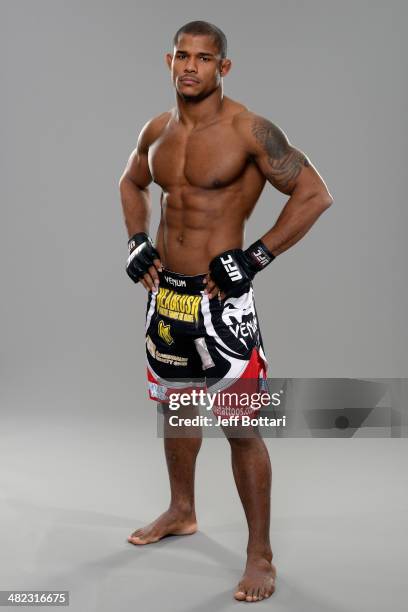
(283, 165)
(137, 169)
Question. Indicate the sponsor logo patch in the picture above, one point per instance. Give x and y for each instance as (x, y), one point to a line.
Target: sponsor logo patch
(158, 391)
(164, 332)
(240, 317)
(179, 306)
(164, 357)
(177, 282)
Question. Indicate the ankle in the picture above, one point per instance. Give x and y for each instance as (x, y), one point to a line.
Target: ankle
(255, 552)
(182, 508)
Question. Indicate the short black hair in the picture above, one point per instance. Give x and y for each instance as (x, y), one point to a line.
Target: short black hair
(203, 28)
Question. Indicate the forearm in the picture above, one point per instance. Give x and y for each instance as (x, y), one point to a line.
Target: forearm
(297, 217)
(136, 207)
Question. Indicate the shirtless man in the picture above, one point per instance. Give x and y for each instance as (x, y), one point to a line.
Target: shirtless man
(211, 157)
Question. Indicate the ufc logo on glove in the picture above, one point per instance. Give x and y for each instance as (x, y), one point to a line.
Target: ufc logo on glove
(231, 268)
(259, 256)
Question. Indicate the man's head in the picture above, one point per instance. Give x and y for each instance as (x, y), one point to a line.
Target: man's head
(203, 28)
(199, 59)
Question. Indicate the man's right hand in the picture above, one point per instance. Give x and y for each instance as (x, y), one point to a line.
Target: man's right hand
(143, 261)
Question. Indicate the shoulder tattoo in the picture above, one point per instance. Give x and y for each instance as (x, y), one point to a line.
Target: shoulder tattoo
(284, 161)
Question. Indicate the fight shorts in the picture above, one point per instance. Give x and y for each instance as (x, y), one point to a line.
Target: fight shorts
(195, 342)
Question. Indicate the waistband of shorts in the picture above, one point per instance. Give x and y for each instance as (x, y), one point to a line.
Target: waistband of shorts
(182, 283)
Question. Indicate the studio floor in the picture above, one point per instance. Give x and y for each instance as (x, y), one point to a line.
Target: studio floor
(73, 488)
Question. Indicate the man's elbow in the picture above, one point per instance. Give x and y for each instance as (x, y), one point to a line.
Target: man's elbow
(127, 183)
(326, 201)
(322, 199)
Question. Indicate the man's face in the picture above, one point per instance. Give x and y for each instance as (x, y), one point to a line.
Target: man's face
(196, 66)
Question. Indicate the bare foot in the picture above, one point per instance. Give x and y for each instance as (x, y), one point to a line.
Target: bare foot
(170, 522)
(258, 581)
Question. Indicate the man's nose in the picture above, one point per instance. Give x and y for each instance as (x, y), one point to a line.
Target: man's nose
(191, 65)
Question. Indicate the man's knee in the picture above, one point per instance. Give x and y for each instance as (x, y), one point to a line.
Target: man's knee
(242, 437)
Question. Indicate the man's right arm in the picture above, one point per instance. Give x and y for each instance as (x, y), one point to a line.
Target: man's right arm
(133, 185)
(136, 205)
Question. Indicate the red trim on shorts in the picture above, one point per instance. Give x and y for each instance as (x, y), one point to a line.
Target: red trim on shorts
(159, 392)
(256, 367)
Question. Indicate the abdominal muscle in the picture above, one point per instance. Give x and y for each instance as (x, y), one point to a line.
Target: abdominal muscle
(193, 230)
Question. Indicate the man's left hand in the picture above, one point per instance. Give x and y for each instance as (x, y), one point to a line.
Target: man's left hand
(211, 288)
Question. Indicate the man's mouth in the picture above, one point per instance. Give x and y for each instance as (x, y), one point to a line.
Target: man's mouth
(189, 81)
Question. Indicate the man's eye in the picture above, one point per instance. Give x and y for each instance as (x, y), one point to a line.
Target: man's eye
(181, 56)
(205, 59)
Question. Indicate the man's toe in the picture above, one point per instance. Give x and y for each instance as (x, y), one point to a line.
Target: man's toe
(250, 594)
(138, 539)
(240, 594)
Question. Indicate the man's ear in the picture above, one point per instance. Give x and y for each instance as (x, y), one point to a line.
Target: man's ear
(169, 59)
(225, 67)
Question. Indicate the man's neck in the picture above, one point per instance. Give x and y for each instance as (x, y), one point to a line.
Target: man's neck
(193, 114)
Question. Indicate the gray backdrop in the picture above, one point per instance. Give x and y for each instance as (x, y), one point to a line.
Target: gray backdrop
(79, 79)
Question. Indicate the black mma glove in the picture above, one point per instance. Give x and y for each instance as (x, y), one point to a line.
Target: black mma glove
(141, 255)
(235, 268)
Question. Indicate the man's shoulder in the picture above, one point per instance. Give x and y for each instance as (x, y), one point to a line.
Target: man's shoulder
(153, 128)
(244, 123)
(245, 120)
(256, 130)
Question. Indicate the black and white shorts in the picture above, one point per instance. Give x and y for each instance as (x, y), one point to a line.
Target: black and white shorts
(192, 341)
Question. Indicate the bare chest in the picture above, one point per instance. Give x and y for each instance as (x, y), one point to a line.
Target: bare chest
(207, 158)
